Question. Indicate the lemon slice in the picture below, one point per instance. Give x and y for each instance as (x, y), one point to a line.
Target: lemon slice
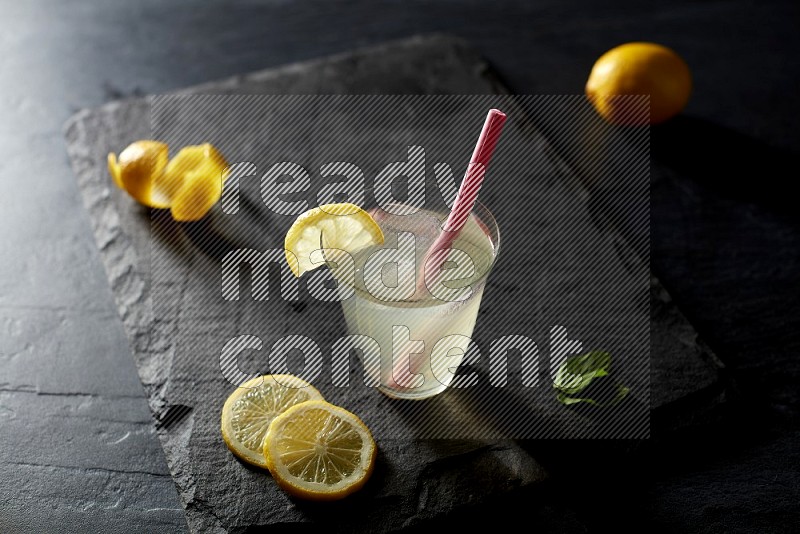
(318, 451)
(250, 409)
(345, 226)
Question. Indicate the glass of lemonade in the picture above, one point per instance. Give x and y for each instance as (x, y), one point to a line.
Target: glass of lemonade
(414, 335)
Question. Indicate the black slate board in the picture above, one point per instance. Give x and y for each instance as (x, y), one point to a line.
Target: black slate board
(416, 479)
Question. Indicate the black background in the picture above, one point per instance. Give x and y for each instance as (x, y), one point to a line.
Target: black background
(725, 243)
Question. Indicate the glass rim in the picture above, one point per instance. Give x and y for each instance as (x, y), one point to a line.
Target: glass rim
(488, 225)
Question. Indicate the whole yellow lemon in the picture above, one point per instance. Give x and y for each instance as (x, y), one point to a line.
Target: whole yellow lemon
(639, 69)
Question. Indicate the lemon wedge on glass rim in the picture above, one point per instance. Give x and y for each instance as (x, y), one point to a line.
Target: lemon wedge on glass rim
(318, 451)
(250, 409)
(342, 226)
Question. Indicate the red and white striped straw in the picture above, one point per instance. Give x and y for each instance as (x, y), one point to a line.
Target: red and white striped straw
(403, 369)
(467, 195)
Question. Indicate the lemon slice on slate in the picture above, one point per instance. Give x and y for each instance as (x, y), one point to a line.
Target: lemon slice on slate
(250, 409)
(319, 451)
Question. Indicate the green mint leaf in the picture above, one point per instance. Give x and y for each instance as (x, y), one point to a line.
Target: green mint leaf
(577, 372)
(622, 392)
(564, 399)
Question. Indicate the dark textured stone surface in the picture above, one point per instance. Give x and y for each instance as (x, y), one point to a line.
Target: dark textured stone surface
(416, 480)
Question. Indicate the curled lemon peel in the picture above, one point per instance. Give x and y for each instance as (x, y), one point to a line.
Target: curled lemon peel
(189, 184)
(137, 167)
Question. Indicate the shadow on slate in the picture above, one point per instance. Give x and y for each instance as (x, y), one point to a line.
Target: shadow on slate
(416, 481)
(688, 382)
(730, 164)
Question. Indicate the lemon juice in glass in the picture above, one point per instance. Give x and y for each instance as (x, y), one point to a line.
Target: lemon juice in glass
(420, 331)
(410, 278)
